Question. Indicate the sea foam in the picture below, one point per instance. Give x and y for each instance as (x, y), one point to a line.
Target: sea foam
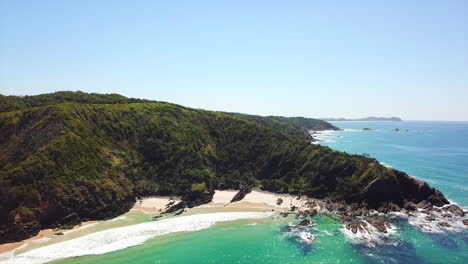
(370, 236)
(123, 237)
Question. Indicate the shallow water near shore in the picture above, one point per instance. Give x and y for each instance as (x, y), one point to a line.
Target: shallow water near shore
(432, 151)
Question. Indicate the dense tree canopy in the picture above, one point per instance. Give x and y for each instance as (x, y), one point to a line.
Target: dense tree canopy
(61, 163)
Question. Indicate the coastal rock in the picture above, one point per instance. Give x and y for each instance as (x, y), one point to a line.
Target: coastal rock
(284, 214)
(169, 204)
(456, 210)
(313, 212)
(424, 205)
(447, 215)
(279, 201)
(389, 207)
(444, 224)
(19, 231)
(157, 217)
(429, 218)
(465, 222)
(346, 218)
(410, 206)
(305, 222)
(241, 194)
(360, 226)
(379, 223)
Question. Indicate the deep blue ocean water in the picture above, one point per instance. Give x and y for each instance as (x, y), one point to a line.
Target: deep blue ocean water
(436, 152)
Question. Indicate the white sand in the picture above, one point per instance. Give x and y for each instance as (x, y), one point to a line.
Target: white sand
(42, 235)
(155, 204)
(254, 200)
(258, 199)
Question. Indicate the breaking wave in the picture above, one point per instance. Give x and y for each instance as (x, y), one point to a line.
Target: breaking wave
(123, 237)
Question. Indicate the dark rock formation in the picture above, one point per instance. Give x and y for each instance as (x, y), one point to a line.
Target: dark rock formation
(241, 194)
(454, 209)
(279, 201)
(379, 223)
(355, 226)
(444, 224)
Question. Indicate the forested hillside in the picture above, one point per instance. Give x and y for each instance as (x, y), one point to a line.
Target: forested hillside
(62, 163)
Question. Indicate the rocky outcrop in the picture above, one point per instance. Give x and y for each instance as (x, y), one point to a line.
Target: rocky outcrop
(402, 191)
(454, 209)
(241, 194)
(356, 226)
(379, 223)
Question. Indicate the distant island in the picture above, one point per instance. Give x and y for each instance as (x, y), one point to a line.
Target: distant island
(370, 118)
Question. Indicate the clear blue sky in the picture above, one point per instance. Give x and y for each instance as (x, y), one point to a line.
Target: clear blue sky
(293, 58)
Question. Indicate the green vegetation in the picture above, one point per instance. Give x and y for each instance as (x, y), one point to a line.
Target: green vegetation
(62, 163)
(295, 126)
(10, 103)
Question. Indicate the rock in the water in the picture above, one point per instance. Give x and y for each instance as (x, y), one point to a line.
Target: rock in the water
(444, 224)
(313, 212)
(447, 215)
(429, 218)
(378, 222)
(465, 222)
(454, 209)
(304, 222)
(360, 226)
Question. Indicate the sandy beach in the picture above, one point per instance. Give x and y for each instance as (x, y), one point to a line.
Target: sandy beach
(254, 200)
(155, 204)
(43, 234)
(258, 199)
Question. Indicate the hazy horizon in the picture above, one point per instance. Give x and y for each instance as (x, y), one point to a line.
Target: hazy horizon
(333, 59)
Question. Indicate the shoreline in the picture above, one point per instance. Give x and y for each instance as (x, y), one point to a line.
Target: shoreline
(42, 235)
(255, 200)
(358, 222)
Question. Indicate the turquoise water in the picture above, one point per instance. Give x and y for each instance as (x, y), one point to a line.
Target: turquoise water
(436, 152)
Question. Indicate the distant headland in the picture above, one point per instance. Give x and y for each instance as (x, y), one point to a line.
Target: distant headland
(370, 118)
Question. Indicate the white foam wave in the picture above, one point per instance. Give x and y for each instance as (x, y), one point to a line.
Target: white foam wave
(370, 236)
(324, 135)
(385, 164)
(353, 130)
(123, 237)
(432, 223)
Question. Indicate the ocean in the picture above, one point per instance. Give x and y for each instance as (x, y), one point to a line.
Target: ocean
(436, 152)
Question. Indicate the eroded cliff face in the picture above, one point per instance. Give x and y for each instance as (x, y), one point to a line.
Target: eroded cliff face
(63, 164)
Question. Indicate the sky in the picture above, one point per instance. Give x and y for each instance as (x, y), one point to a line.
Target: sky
(292, 58)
